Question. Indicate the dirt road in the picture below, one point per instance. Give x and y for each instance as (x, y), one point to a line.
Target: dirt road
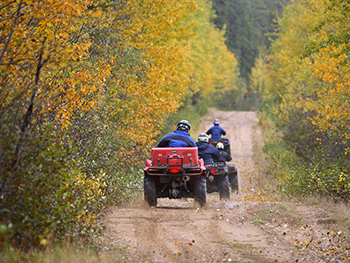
(239, 230)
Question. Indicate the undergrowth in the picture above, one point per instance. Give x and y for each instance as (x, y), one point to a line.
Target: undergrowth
(318, 175)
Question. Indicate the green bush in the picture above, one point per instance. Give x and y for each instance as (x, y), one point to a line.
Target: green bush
(330, 180)
(189, 112)
(303, 164)
(123, 186)
(44, 198)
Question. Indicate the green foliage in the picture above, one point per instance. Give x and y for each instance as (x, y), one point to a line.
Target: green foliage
(259, 81)
(306, 100)
(330, 180)
(277, 152)
(248, 25)
(336, 12)
(123, 185)
(85, 88)
(214, 66)
(189, 112)
(62, 254)
(44, 197)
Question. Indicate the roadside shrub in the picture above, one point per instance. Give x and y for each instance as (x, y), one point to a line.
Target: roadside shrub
(189, 112)
(123, 186)
(44, 198)
(99, 145)
(331, 181)
(310, 166)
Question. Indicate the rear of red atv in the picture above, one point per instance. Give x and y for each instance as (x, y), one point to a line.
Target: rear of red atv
(175, 173)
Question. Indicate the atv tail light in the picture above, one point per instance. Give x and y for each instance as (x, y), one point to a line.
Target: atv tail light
(213, 171)
(174, 171)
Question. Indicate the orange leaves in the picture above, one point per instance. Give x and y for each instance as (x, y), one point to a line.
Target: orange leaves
(130, 60)
(40, 34)
(332, 102)
(152, 75)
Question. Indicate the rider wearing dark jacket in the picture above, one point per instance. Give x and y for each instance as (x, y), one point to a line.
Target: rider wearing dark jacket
(216, 131)
(224, 156)
(207, 151)
(179, 138)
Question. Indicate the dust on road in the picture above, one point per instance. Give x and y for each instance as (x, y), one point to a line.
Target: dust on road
(238, 230)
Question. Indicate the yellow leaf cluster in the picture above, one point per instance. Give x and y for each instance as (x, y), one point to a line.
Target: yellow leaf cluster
(332, 104)
(42, 52)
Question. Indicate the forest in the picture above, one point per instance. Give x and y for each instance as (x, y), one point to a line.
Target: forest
(88, 87)
(305, 98)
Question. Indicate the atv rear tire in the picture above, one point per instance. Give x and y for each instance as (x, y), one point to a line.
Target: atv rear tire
(200, 190)
(149, 189)
(224, 188)
(234, 182)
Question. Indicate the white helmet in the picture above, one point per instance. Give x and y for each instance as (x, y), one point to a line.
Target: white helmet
(183, 126)
(203, 137)
(220, 146)
(216, 122)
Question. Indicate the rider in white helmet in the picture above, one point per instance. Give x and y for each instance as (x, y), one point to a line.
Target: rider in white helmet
(207, 151)
(224, 156)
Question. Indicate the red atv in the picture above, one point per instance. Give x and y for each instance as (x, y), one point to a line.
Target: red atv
(175, 173)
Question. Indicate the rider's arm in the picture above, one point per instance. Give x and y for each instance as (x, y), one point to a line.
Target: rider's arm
(223, 132)
(209, 131)
(163, 142)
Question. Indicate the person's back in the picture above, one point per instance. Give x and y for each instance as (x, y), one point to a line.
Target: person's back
(206, 151)
(179, 138)
(216, 131)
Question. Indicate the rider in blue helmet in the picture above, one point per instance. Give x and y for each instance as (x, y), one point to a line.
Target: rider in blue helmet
(179, 138)
(216, 131)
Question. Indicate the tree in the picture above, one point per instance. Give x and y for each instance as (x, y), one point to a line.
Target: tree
(248, 24)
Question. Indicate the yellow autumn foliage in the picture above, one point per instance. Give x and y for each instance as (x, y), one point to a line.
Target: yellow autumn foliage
(40, 56)
(214, 66)
(85, 86)
(309, 96)
(318, 83)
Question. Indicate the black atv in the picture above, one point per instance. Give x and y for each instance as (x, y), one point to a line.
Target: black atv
(231, 169)
(218, 180)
